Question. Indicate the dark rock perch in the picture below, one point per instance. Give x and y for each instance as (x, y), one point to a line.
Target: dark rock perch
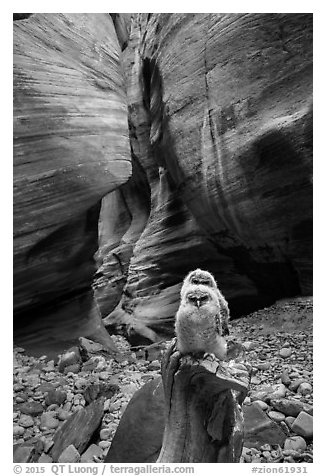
(197, 403)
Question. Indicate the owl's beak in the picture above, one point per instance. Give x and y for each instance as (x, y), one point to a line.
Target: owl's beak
(198, 302)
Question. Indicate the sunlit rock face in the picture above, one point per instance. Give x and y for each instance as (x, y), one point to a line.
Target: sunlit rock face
(220, 121)
(71, 148)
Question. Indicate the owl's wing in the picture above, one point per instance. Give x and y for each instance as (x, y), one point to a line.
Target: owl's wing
(224, 314)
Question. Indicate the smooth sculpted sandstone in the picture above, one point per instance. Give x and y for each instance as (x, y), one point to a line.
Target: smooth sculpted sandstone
(220, 121)
(71, 148)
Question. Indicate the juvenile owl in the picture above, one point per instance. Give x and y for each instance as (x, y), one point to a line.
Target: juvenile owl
(202, 317)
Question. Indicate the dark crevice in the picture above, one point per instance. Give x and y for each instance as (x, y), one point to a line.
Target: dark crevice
(21, 16)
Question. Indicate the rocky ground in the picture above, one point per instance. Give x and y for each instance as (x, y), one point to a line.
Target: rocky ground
(47, 393)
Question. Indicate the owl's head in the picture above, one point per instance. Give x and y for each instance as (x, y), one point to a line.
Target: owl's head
(199, 296)
(196, 278)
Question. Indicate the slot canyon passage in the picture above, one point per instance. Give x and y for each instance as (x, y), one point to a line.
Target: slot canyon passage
(147, 146)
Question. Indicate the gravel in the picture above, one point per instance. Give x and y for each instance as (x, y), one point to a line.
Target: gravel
(278, 342)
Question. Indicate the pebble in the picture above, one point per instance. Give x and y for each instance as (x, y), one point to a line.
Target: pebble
(32, 408)
(303, 425)
(266, 447)
(246, 454)
(266, 454)
(63, 415)
(67, 406)
(285, 352)
(105, 434)
(69, 455)
(289, 420)
(249, 345)
(296, 384)
(304, 388)
(296, 443)
(44, 458)
(69, 358)
(263, 365)
(276, 416)
(154, 365)
(107, 404)
(279, 391)
(49, 366)
(81, 383)
(70, 370)
(261, 404)
(21, 398)
(114, 407)
(32, 380)
(55, 396)
(287, 406)
(104, 444)
(26, 421)
(285, 428)
(18, 430)
(308, 408)
(45, 387)
(47, 444)
(285, 378)
(48, 421)
(104, 375)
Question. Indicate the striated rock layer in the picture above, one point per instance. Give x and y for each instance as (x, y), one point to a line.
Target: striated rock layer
(71, 147)
(220, 121)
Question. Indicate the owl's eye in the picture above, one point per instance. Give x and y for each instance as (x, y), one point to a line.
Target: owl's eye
(206, 282)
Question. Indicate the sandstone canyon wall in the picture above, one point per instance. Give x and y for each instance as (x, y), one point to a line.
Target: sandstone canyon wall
(220, 120)
(193, 135)
(71, 147)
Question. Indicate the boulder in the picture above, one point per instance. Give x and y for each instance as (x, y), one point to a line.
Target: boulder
(23, 453)
(139, 436)
(77, 430)
(97, 390)
(92, 450)
(71, 148)
(259, 428)
(288, 407)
